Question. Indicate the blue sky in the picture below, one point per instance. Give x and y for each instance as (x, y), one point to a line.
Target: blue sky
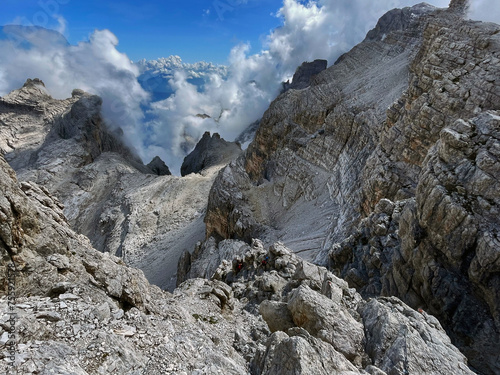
(193, 29)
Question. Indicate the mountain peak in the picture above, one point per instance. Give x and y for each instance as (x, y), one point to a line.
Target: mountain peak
(304, 74)
(33, 82)
(32, 93)
(159, 167)
(460, 6)
(209, 151)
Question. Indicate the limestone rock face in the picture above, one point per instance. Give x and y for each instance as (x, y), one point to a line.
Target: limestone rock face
(396, 20)
(384, 170)
(35, 236)
(304, 74)
(207, 257)
(452, 79)
(393, 328)
(459, 6)
(81, 311)
(248, 135)
(428, 250)
(107, 194)
(304, 169)
(325, 327)
(159, 167)
(209, 151)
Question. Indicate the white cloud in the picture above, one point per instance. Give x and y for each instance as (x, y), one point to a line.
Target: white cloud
(233, 97)
(311, 30)
(95, 66)
(485, 10)
(61, 27)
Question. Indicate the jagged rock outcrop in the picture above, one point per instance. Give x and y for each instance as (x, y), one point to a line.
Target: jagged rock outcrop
(108, 195)
(247, 135)
(81, 311)
(35, 125)
(395, 20)
(305, 74)
(159, 167)
(35, 236)
(460, 6)
(305, 165)
(207, 257)
(209, 151)
(439, 250)
(384, 169)
(452, 78)
(387, 163)
(320, 326)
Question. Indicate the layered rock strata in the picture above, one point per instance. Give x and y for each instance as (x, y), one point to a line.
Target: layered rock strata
(384, 170)
(140, 213)
(79, 311)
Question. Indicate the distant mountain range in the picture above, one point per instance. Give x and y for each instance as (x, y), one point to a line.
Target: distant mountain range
(156, 74)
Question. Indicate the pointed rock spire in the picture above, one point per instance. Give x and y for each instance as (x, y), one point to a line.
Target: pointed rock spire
(459, 6)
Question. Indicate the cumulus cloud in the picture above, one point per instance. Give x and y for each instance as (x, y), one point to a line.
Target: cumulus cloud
(225, 102)
(95, 66)
(62, 24)
(309, 30)
(485, 10)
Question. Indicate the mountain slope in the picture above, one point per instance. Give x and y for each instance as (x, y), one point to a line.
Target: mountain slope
(124, 207)
(384, 170)
(80, 311)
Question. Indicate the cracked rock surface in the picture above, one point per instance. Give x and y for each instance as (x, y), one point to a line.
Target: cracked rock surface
(140, 213)
(385, 170)
(79, 311)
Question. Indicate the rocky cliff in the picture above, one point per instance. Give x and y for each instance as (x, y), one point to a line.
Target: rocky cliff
(385, 170)
(140, 213)
(159, 167)
(80, 311)
(381, 169)
(304, 75)
(211, 150)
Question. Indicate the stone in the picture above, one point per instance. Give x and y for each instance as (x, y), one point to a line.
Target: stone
(68, 296)
(159, 167)
(393, 329)
(4, 338)
(102, 311)
(93, 177)
(61, 288)
(276, 315)
(326, 320)
(61, 262)
(51, 316)
(382, 170)
(118, 314)
(209, 151)
(304, 75)
(385, 170)
(303, 354)
(126, 331)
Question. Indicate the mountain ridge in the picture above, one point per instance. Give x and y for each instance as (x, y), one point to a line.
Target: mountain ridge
(122, 205)
(383, 170)
(371, 129)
